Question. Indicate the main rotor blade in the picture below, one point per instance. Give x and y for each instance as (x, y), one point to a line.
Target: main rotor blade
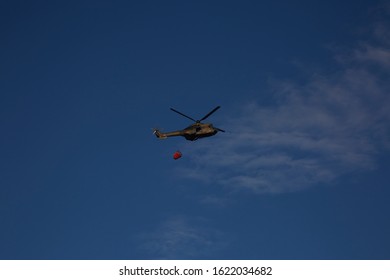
(215, 109)
(183, 114)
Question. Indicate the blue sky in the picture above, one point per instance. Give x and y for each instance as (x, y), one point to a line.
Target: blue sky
(302, 171)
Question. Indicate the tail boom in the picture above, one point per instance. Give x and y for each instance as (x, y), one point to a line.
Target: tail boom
(159, 134)
(162, 135)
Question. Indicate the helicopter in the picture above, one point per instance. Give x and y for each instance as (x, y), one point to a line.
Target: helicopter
(194, 131)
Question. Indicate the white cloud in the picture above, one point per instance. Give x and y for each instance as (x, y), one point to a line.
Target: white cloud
(377, 55)
(331, 125)
(182, 238)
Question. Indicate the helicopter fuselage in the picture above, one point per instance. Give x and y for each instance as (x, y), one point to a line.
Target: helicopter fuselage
(191, 133)
(199, 130)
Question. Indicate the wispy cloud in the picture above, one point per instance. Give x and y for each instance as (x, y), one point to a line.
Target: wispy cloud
(332, 124)
(181, 237)
(378, 55)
